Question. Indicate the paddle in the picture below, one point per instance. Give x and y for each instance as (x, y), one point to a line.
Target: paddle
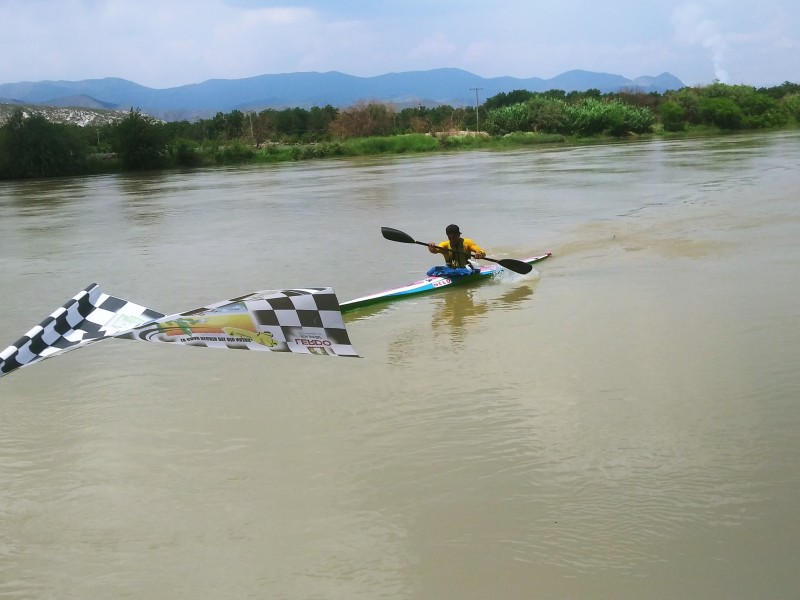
(511, 264)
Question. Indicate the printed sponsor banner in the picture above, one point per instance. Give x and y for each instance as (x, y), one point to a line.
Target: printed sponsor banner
(303, 320)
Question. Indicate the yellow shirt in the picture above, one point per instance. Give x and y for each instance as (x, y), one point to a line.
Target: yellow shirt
(464, 248)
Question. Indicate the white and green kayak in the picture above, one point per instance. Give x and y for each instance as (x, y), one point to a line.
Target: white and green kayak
(431, 284)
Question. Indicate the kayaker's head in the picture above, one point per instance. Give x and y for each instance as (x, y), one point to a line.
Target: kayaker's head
(453, 232)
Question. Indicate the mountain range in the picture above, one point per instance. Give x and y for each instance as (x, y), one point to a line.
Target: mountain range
(453, 87)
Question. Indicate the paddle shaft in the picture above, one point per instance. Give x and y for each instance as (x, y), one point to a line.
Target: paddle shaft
(467, 254)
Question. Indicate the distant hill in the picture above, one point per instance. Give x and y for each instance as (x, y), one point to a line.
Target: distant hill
(82, 101)
(304, 90)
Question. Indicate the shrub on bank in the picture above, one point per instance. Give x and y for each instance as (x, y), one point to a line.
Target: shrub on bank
(792, 106)
(395, 144)
(235, 153)
(508, 119)
(672, 118)
(185, 153)
(592, 117)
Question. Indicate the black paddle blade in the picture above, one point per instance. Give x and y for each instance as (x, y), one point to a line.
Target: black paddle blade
(517, 266)
(396, 235)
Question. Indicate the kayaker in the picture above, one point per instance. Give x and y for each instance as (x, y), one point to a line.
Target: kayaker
(464, 249)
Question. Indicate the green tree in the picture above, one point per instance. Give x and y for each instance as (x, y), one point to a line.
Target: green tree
(787, 88)
(215, 127)
(716, 90)
(760, 110)
(555, 94)
(264, 126)
(414, 120)
(590, 94)
(592, 117)
(755, 108)
(140, 142)
(721, 112)
(234, 125)
(507, 99)
(364, 119)
(34, 147)
(689, 101)
(791, 104)
(447, 118)
(319, 122)
(291, 123)
(176, 130)
(548, 114)
(185, 153)
(672, 116)
(507, 119)
(636, 97)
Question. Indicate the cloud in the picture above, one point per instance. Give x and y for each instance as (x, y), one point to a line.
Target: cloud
(175, 42)
(437, 47)
(694, 28)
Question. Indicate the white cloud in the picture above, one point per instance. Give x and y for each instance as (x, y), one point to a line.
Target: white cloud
(693, 27)
(164, 43)
(436, 46)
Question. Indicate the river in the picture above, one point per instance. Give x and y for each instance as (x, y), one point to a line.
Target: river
(620, 423)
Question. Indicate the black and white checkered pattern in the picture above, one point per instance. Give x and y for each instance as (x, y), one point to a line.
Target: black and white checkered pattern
(89, 316)
(307, 321)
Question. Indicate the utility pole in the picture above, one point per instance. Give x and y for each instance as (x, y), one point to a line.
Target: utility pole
(477, 121)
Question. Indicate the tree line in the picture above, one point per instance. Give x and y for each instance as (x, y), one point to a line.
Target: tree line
(31, 146)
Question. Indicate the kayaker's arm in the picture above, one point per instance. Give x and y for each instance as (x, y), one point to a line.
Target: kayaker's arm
(473, 249)
(475, 252)
(440, 248)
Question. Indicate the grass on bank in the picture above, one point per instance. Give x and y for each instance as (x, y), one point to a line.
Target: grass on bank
(239, 152)
(413, 143)
(188, 155)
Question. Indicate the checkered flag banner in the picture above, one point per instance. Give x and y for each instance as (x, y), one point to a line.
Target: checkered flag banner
(306, 321)
(90, 316)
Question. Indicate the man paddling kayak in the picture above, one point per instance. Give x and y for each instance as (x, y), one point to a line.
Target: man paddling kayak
(457, 251)
(434, 283)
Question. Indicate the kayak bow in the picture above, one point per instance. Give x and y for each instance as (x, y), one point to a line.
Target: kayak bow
(430, 284)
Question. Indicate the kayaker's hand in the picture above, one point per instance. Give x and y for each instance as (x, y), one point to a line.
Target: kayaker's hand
(480, 255)
(433, 248)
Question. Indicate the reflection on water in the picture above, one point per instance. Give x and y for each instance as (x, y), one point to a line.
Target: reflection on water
(146, 210)
(367, 312)
(41, 203)
(512, 299)
(454, 310)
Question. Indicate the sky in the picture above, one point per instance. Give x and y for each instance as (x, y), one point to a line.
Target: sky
(168, 43)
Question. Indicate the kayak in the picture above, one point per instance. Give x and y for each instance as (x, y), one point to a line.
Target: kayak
(431, 284)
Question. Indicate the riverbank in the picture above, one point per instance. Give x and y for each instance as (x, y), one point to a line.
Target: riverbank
(239, 153)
